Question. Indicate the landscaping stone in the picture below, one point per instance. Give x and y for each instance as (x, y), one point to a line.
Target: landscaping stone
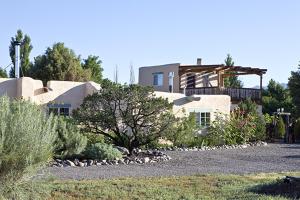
(70, 163)
(146, 156)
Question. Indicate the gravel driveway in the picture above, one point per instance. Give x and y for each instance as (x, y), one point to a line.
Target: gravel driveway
(270, 158)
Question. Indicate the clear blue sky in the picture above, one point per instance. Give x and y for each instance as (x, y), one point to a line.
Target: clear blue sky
(256, 33)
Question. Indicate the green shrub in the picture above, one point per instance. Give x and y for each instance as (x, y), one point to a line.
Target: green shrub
(70, 142)
(240, 127)
(297, 129)
(26, 143)
(260, 128)
(280, 128)
(93, 138)
(102, 151)
(183, 131)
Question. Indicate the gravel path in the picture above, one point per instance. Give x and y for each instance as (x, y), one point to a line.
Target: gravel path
(270, 158)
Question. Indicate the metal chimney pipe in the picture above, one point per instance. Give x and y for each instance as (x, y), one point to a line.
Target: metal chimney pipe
(171, 82)
(17, 59)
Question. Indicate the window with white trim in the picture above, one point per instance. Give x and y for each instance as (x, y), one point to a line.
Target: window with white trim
(59, 109)
(203, 118)
(158, 78)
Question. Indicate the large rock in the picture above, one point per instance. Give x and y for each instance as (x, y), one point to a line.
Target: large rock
(70, 163)
(145, 160)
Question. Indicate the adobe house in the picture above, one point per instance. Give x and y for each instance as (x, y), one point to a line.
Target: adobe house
(59, 97)
(200, 80)
(202, 87)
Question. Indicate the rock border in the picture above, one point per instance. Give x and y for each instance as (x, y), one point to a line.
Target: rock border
(208, 148)
(143, 157)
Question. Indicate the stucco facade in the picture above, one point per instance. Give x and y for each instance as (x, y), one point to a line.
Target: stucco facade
(183, 105)
(62, 94)
(146, 76)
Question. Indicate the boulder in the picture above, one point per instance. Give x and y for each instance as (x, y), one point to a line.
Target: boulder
(70, 163)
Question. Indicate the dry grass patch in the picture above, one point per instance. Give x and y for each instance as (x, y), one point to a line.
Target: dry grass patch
(187, 187)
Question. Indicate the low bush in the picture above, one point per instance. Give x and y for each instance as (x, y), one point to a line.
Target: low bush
(297, 129)
(101, 151)
(26, 143)
(70, 142)
(95, 138)
(183, 132)
(243, 125)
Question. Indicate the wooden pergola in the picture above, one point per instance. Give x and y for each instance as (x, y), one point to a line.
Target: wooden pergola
(222, 71)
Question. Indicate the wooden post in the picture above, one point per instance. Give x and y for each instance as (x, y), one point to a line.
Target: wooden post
(261, 88)
(179, 82)
(261, 82)
(218, 79)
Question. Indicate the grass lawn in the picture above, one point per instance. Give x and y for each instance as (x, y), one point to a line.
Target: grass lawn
(188, 187)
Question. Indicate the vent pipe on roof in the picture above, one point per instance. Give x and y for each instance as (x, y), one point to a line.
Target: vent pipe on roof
(17, 59)
(199, 60)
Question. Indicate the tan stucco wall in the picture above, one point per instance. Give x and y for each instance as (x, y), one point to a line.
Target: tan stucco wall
(57, 91)
(146, 76)
(8, 86)
(198, 103)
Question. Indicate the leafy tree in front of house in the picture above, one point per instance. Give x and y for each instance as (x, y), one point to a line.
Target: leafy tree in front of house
(128, 115)
(294, 87)
(59, 63)
(25, 49)
(231, 81)
(276, 96)
(93, 63)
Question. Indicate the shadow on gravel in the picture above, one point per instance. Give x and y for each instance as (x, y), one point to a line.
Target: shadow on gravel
(279, 188)
(295, 146)
(293, 156)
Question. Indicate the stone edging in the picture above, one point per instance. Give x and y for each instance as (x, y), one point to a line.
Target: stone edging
(140, 158)
(145, 156)
(207, 148)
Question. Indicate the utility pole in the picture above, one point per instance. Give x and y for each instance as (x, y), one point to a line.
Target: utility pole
(116, 74)
(17, 59)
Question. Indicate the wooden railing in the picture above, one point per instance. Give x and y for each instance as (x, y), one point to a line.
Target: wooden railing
(236, 94)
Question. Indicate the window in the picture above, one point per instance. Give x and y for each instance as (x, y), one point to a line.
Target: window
(59, 109)
(203, 118)
(158, 78)
(64, 112)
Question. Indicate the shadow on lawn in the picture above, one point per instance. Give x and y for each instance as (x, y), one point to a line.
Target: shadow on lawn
(279, 188)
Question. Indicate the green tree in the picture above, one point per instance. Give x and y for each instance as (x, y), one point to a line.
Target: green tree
(93, 63)
(231, 81)
(276, 96)
(129, 115)
(59, 63)
(3, 73)
(280, 127)
(25, 50)
(294, 87)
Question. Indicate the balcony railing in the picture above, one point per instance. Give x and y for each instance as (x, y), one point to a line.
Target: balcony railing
(236, 94)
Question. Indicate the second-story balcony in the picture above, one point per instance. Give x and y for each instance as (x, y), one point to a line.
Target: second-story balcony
(236, 94)
(209, 80)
